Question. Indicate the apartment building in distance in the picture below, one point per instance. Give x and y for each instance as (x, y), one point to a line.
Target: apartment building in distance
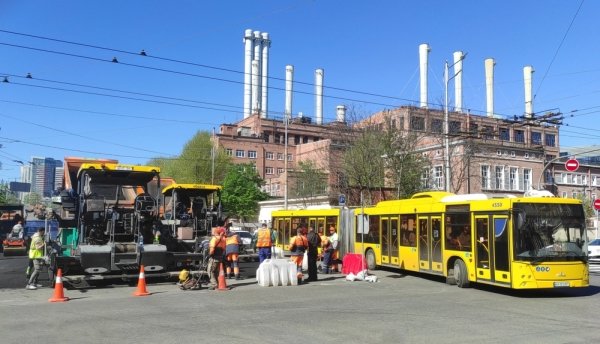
(44, 174)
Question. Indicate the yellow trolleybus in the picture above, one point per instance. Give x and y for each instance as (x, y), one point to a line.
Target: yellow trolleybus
(515, 242)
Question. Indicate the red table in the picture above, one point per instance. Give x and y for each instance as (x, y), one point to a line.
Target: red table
(352, 263)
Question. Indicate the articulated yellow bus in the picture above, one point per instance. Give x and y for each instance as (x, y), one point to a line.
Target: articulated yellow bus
(514, 242)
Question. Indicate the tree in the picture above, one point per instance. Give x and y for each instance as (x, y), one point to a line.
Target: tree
(6, 196)
(241, 192)
(310, 182)
(195, 163)
(33, 198)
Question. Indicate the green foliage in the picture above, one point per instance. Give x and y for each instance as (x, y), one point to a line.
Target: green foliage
(241, 192)
(6, 196)
(33, 198)
(195, 163)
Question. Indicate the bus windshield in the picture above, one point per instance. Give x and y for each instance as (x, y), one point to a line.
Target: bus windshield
(549, 232)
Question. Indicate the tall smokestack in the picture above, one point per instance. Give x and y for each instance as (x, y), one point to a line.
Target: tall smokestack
(266, 43)
(249, 43)
(319, 95)
(257, 57)
(289, 76)
(527, 75)
(489, 86)
(255, 87)
(458, 57)
(423, 54)
(340, 111)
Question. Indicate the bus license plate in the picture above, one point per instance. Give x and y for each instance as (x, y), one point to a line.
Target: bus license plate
(561, 284)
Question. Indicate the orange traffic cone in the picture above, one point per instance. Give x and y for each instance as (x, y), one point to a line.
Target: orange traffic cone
(141, 287)
(222, 284)
(59, 295)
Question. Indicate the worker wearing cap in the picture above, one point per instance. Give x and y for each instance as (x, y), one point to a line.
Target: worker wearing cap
(216, 253)
(264, 241)
(232, 252)
(298, 246)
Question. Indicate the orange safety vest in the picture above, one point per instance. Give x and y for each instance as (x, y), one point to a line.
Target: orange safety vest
(217, 247)
(298, 245)
(233, 239)
(263, 238)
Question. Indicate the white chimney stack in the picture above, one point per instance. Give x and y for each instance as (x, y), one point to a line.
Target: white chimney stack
(257, 58)
(266, 43)
(289, 77)
(319, 95)
(489, 86)
(423, 54)
(249, 46)
(341, 114)
(255, 86)
(458, 57)
(527, 75)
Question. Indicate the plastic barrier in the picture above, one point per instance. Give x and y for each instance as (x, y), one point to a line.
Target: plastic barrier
(276, 272)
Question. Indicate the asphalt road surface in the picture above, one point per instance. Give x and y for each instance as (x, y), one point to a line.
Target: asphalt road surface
(397, 309)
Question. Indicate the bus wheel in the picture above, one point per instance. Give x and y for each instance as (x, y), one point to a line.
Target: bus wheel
(460, 274)
(450, 280)
(371, 265)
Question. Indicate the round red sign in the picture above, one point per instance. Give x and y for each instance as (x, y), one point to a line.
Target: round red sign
(572, 165)
(597, 204)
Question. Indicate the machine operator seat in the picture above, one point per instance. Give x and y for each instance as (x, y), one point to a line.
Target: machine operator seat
(144, 203)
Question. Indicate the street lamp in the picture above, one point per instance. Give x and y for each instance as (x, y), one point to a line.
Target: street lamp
(446, 131)
(544, 169)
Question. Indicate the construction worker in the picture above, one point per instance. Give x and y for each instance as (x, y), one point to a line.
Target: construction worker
(333, 239)
(216, 252)
(232, 252)
(314, 243)
(264, 241)
(36, 253)
(298, 246)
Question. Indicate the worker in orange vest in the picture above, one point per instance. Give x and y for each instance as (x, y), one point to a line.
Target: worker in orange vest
(232, 252)
(298, 246)
(216, 254)
(264, 242)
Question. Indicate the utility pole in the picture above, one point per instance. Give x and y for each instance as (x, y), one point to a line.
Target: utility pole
(446, 131)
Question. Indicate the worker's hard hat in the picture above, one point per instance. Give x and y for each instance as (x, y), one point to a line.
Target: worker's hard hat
(183, 275)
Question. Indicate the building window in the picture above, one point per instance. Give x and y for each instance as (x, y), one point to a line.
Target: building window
(278, 138)
(251, 154)
(437, 126)
(425, 179)
(296, 139)
(417, 123)
(305, 139)
(488, 132)
(454, 127)
(268, 170)
(550, 140)
(485, 176)
(280, 156)
(504, 134)
(229, 152)
(266, 137)
(240, 153)
(279, 170)
(574, 194)
(519, 136)
(438, 178)
(595, 181)
(474, 129)
(290, 157)
(499, 180)
(527, 179)
(564, 194)
(536, 138)
(513, 179)
(269, 155)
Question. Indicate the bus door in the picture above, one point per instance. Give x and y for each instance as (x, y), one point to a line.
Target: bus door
(500, 249)
(409, 258)
(389, 240)
(430, 243)
(482, 249)
(423, 233)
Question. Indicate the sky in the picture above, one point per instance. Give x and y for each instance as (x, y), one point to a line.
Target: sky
(80, 103)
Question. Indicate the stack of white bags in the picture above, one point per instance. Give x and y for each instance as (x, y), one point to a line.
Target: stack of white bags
(361, 276)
